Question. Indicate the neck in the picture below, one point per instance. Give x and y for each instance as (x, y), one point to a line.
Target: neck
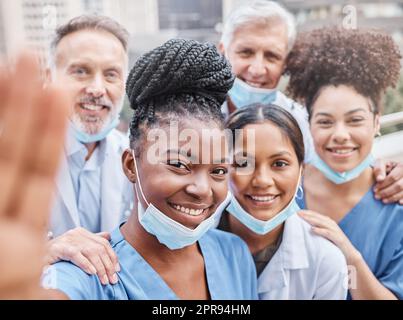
(148, 245)
(255, 242)
(362, 183)
(90, 148)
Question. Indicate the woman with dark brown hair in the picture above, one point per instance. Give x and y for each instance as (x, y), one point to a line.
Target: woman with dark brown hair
(341, 75)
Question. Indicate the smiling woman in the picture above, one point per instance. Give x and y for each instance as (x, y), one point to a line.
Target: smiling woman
(341, 76)
(168, 248)
(291, 262)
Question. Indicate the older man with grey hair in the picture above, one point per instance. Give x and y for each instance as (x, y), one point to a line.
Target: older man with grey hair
(89, 58)
(256, 39)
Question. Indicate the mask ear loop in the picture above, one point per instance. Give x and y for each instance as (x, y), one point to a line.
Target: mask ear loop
(138, 183)
(300, 190)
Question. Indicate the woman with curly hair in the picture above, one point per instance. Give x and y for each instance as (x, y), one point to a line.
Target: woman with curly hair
(341, 75)
(168, 248)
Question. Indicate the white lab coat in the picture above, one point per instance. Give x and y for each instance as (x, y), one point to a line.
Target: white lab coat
(116, 191)
(305, 267)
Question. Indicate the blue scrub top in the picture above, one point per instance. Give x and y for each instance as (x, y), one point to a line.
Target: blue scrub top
(229, 266)
(376, 230)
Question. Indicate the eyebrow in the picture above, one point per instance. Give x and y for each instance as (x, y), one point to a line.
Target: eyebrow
(224, 160)
(177, 152)
(272, 50)
(347, 113)
(278, 154)
(194, 158)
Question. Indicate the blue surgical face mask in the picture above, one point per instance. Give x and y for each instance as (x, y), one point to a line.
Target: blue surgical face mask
(84, 137)
(260, 226)
(168, 231)
(242, 94)
(343, 177)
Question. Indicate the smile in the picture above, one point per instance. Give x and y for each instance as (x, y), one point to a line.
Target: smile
(263, 199)
(255, 84)
(189, 211)
(92, 107)
(342, 151)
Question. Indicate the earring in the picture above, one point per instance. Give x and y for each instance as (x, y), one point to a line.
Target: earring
(300, 193)
(378, 134)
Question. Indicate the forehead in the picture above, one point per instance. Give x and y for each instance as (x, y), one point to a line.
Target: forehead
(90, 45)
(339, 100)
(204, 141)
(269, 139)
(262, 35)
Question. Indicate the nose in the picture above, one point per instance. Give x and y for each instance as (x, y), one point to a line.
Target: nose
(262, 178)
(96, 87)
(341, 134)
(257, 66)
(200, 187)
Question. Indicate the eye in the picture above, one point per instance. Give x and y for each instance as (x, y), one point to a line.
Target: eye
(245, 53)
(324, 122)
(272, 57)
(112, 75)
(356, 120)
(177, 164)
(220, 171)
(80, 71)
(280, 164)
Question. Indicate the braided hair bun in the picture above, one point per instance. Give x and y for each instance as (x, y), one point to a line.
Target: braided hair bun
(181, 77)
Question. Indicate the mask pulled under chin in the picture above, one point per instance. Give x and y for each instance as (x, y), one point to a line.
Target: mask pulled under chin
(169, 232)
(263, 227)
(84, 137)
(341, 177)
(242, 94)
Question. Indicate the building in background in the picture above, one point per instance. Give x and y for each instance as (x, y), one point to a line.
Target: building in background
(32, 22)
(151, 22)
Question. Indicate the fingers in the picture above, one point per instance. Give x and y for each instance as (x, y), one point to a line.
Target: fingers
(17, 116)
(394, 198)
(99, 256)
(110, 259)
(77, 244)
(392, 186)
(40, 163)
(315, 219)
(323, 232)
(380, 170)
(105, 235)
(83, 263)
(109, 269)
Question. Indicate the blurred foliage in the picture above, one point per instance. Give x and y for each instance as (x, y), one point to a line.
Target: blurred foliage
(393, 102)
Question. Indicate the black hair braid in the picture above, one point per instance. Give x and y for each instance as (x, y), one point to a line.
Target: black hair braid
(182, 78)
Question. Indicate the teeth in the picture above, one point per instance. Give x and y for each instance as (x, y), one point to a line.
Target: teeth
(256, 198)
(254, 84)
(192, 212)
(342, 151)
(92, 107)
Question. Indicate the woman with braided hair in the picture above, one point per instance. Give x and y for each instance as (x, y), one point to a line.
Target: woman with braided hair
(168, 248)
(341, 75)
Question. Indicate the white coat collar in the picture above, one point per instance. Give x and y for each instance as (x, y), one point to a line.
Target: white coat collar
(112, 185)
(291, 254)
